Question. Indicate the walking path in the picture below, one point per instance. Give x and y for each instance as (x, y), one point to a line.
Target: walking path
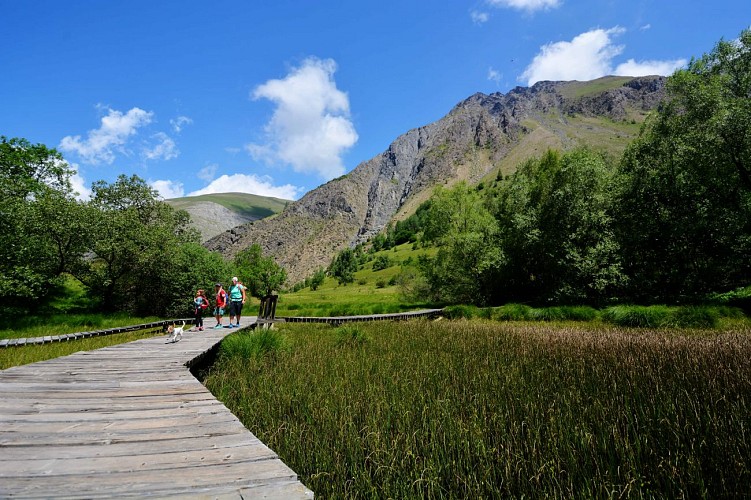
(130, 421)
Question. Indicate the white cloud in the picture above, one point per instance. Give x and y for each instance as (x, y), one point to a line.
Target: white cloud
(179, 122)
(310, 128)
(644, 68)
(242, 183)
(165, 149)
(527, 5)
(479, 17)
(589, 56)
(494, 76)
(168, 189)
(78, 183)
(586, 57)
(111, 136)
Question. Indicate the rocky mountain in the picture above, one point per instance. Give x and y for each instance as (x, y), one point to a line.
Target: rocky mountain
(481, 136)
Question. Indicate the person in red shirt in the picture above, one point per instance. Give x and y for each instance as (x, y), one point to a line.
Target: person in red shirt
(220, 304)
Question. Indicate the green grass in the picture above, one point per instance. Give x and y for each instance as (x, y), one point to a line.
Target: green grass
(242, 203)
(58, 324)
(363, 296)
(480, 409)
(16, 356)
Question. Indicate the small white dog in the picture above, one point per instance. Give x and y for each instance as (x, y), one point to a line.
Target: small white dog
(175, 332)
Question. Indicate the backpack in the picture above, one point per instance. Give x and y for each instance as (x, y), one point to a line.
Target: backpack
(204, 303)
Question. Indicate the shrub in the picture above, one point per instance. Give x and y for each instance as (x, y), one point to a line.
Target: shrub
(695, 317)
(461, 311)
(512, 312)
(350, 335)
(637, 316)
(380, 283)
(255, 345)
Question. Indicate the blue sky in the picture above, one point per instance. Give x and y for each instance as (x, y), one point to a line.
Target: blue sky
(277, 97)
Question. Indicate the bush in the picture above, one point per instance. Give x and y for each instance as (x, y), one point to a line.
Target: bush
(637, 316)
(461, 311)
(695, 317)
(255, 345)
(564, 313)
(512, 312)
(380, 283)
(349, 335)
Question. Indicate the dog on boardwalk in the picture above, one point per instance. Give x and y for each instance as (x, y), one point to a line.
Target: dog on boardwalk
(175, 332)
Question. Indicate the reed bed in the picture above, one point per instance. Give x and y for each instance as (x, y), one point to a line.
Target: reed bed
(480, 409)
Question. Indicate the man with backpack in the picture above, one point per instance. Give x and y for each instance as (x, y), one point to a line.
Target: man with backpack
(220, 304)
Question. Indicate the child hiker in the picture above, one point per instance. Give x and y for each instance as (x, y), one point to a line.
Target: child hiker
(200, 304)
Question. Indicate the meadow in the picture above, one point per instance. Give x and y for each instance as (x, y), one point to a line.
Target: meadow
(486, 409)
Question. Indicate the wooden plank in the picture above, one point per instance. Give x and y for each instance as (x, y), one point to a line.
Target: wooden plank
(130, 421)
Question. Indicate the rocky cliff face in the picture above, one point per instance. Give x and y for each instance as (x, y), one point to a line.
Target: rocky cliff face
(466, 144)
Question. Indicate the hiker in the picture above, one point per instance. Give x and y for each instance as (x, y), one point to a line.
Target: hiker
(236, 300)
(219, 304)
(200, 304)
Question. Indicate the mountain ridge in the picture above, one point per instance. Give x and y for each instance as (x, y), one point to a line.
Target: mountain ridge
(482, 135)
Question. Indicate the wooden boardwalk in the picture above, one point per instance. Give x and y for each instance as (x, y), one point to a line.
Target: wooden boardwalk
(130, 421)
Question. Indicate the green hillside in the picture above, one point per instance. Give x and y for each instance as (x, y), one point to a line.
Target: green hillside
(244, 204)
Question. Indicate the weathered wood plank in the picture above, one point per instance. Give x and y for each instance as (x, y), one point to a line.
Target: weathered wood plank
(130, 421)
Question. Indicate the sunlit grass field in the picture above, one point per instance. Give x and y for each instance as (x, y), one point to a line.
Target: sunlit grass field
(489, 409)
(372, 292)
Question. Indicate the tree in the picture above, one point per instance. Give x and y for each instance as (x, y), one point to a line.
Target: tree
(464, 230)
(317, 279)
(265, 275)
(344, 266)
(135, 239)
(35, 185)
(556, 231)
(685, 200)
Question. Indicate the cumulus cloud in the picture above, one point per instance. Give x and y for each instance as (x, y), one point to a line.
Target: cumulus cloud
(643, 68)
(526, 5)
(101, 144)
(164, 149)
(586, 57)
(180, 122)
(168, 189)
(253, 184)
(589, 56)
(310, 128)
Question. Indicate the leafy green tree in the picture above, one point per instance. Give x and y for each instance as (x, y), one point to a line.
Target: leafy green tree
(35, 183)
(556, 231)
(344, 266)
(135, 237)
(317, 279)
(465, 232)
(685, 202)
(264, 274)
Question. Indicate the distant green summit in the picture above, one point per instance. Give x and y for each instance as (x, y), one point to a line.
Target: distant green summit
(216, 213)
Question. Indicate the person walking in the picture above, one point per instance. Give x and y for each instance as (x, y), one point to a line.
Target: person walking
(236, 300)
(200, 304)
(219, 304)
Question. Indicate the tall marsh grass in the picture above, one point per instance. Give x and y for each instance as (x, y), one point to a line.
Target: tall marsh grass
(479, 409)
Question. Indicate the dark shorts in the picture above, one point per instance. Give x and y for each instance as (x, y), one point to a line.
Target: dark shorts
(235, 307)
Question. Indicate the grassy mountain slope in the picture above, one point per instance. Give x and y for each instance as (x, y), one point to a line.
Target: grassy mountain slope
(213, 214)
